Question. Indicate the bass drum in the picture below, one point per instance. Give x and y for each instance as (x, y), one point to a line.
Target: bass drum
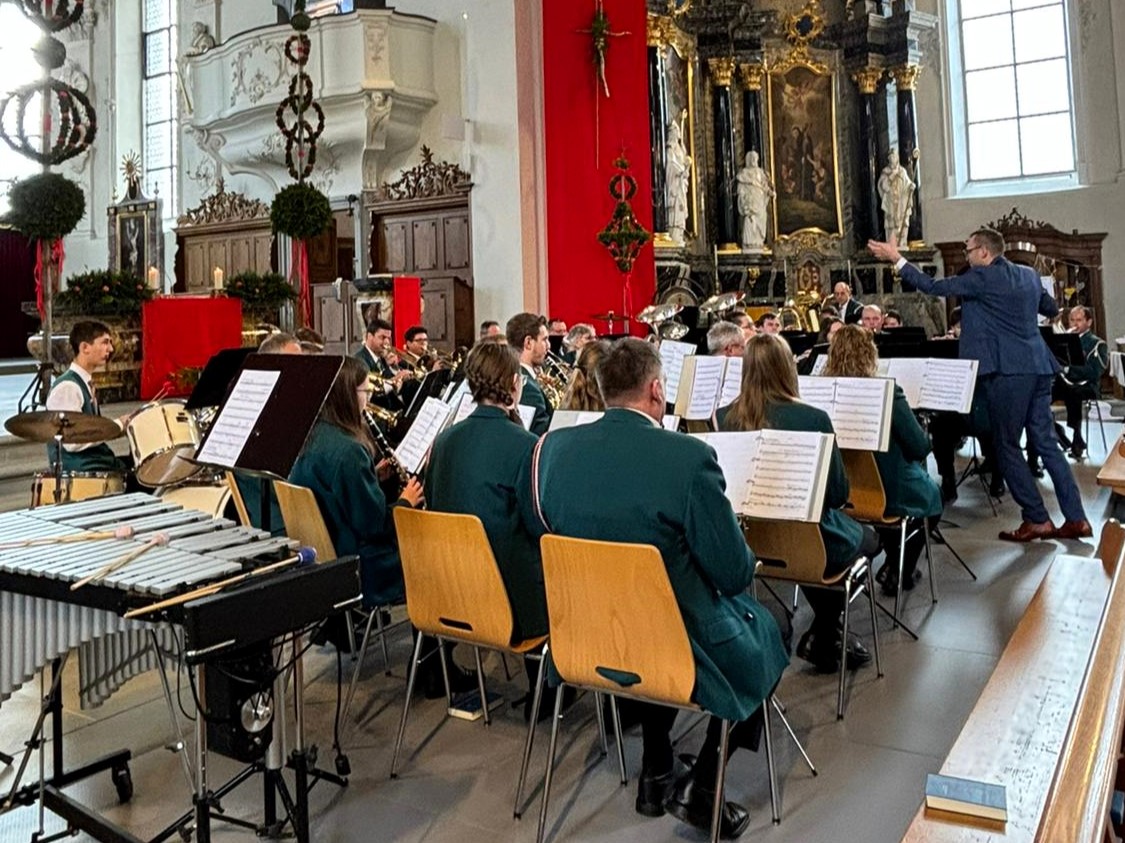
(160, 435)
(76, 486)
(212, 500)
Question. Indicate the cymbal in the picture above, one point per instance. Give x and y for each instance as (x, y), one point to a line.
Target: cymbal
(76, 428)
(723, 301)
(656, 313)
(610, 317)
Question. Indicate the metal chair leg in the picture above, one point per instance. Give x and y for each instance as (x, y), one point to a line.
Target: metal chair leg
(901, 566)
(929, 559)
(537, 698)
(550, 764)
(940, 536)
(1101, 425)
(358, 666)
(720, 781)
(844, 648)
(618, 737)
(444, 672)
(406, 705)
(780, 709)
(349, 622)
(601, 723)
(872, 604)
(382, 633)
(775, 801)
(480, 687)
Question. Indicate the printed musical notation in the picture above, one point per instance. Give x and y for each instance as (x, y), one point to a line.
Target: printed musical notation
(233, 426)
(860, 409)
(732, 382)
(415, 446)
(672, 356)
(701, 381)
(932, 383)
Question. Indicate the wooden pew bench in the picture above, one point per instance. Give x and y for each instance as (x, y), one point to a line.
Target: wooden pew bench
(1112, 473)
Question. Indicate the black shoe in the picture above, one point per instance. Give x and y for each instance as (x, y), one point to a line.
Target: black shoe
(996, 487)
(826, 659)
(653, 790)
(547, 703)
(1077, 448)
(1060, 434)
(890, 582)
(948, 490)
(433, 687)
(692, 803)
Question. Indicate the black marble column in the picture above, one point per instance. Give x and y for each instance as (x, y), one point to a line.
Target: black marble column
(658, 132)
(726, 210)
(753, 132)
(869, 223)
(906, 80)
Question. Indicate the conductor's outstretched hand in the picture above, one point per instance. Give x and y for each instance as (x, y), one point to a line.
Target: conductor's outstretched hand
(887, 251)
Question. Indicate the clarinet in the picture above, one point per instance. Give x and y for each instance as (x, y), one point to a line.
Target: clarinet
(385, 448)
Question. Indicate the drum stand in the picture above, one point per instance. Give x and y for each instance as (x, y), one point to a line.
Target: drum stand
(38, 388)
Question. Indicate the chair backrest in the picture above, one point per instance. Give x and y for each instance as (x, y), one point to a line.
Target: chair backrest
(612, 613)
(453, 584)
(1111, 545)
(867, 500)
(239, 503)
(303, 521)
(788, 550)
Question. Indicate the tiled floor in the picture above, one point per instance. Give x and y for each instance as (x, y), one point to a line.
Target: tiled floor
(457, 779)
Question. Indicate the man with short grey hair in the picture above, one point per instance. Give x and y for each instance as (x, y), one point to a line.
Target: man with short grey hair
(280, 343)
(850, 309)
(872, 318)
(725, 339)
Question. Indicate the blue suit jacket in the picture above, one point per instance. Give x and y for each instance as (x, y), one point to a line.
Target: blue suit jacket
(999, 303)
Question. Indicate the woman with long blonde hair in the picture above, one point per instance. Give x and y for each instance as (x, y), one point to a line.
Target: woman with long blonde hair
(583, 392)
(770, 398)
(911, 492)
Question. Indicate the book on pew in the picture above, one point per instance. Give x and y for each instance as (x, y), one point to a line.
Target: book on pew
(966, 796)
(672, 355)
(931, 383)
(468, 707)
(774, 474)
(860, 408)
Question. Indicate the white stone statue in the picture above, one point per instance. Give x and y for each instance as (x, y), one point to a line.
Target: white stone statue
(677, 180)
(201, 39)
(754, 193)
(896, 191)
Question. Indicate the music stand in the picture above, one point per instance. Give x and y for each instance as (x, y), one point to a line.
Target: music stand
(216, 378)
(433, 385)
(1067, 348)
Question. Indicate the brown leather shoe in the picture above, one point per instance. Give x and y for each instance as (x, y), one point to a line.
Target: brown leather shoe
(1074, 530)
(1028, 531)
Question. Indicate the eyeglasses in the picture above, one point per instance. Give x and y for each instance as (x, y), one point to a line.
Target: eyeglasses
(970, 249)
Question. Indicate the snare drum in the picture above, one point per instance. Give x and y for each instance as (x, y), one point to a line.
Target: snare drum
(159, 436)
(210, 499)
(76, 486)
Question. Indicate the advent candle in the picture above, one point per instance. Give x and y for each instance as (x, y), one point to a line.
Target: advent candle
(153, 278)
(217, 278)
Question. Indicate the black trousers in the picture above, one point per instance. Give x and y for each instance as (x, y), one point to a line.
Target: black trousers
(828, 604)
(656, 725)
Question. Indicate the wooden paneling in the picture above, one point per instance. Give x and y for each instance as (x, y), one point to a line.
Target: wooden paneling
(233, 247)
(455, 239)
(425, 245)
(392, 256)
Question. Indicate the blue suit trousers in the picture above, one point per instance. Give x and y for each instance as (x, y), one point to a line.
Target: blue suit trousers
(1023, 402)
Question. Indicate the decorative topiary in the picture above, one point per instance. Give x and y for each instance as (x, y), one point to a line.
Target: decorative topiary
(262, 295)
(103, 293)
(46, 206)
(300, 211)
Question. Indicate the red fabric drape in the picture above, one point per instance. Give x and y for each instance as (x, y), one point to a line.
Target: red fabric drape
(179, 332)
(582, 278)
(299, 272)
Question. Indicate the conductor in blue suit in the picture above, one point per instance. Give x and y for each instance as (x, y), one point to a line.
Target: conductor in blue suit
(1000, 301)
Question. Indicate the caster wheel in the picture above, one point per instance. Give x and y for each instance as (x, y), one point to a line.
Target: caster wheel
(123, 781)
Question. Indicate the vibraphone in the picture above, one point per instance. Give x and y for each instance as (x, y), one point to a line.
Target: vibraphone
(42, 619)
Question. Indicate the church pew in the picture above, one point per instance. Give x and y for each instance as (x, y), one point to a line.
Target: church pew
(1112, 473)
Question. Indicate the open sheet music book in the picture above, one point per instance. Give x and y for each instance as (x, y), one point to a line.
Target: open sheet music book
(701, 381)
(931, 383)
(860, 409)
(415, 446)
(775, 474)
(672, 356)
(463, 407)
(732, 382)
(573, 418)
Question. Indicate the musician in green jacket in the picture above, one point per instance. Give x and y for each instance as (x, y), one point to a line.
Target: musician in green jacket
(527, 334)
(1080, 383)
(626, 479)
(770, 399)
(910, 491)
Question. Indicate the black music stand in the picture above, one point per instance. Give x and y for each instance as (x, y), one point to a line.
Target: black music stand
(1067, 348)
(272, 444)
(217, 377)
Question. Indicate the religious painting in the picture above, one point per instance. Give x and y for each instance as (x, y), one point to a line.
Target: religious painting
(370, 306)
(132, 244)
(803, 150)
(135, 239)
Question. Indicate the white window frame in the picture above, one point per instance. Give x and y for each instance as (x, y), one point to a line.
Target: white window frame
(171, 201)
(957, 146)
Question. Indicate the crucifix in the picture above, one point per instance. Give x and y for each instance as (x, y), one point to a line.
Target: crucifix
(601, 33)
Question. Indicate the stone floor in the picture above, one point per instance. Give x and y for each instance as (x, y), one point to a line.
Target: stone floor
(457, 779)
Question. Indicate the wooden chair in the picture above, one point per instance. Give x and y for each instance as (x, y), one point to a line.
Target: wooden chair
(1111, 545)
(454, 592)
(612, 613)
(239, 502)
(794, 551)
(304, 522)
(868, 504)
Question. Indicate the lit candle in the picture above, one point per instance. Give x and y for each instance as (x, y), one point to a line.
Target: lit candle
(217, 278)
(153, 278)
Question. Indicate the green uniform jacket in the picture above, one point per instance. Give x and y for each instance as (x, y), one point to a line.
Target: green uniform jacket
(1089, 374)
(532, 396)
(341, 474)
(250, 487)
(474, 468)
(96, 457)
(910, 489)
(842, 535)
(625, 479)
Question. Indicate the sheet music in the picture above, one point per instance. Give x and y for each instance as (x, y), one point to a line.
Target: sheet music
(787, 480)
(819, 362)
(527, 415)
(737, 453)
(243, 407)
(573, 418)
(465, 407)
(862, 419)
(706, 383)
(948, 385)
(732, 381)
(818, 392)
(415, 446)
(672, 356)
(908, 373)
(455, 394)
(671, 423)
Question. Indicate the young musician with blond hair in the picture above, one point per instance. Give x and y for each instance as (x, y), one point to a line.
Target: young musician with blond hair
(911, 492)
(583, 392)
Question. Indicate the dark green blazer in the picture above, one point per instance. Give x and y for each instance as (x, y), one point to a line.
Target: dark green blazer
(1089, 374)
(532, 396)
(625, 479)
(842, 535)
(341, 474)
(909, 488)
(474, 468)
(95, 458)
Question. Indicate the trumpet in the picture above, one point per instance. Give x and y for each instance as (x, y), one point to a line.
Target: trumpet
(413, 363)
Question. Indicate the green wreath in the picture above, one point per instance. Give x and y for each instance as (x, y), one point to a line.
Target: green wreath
(300, 211)
(46, 206)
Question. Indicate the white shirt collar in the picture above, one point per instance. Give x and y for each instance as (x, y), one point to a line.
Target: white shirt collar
(528, 368)
(644, 416)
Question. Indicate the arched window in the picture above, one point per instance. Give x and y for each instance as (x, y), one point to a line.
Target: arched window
(17, 67)
(159, 101)
(1012, 103)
